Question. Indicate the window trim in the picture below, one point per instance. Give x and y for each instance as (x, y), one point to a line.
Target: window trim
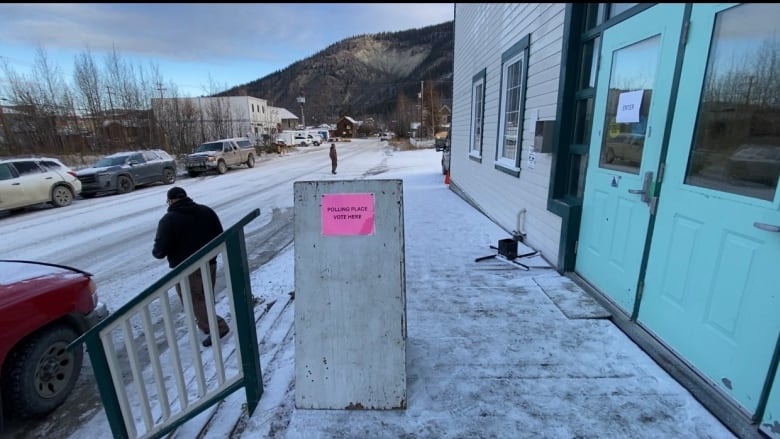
(477, 80)
(519, 52)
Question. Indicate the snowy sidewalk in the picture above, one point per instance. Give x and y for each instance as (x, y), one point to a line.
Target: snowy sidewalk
(496, 351)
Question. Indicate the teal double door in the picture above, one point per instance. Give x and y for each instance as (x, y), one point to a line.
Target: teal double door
(681, 211)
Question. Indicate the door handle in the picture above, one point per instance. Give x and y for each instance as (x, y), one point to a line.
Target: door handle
(645, 191)
(767, 227)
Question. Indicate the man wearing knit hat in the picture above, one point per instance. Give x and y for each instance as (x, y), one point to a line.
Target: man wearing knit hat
(184, 229)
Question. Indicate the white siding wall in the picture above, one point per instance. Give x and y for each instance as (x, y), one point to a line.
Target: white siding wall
(243, 119)
(482, 33)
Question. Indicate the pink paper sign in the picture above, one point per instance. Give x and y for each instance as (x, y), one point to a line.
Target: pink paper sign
(347, 214)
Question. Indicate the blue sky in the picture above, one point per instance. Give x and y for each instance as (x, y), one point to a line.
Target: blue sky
(198, 45)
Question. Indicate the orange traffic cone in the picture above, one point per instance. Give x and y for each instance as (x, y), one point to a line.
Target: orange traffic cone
(447, 178)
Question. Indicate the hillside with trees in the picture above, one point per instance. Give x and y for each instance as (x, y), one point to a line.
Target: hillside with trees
(378, 76)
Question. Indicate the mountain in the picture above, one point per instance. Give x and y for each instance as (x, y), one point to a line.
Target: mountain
(362, 76)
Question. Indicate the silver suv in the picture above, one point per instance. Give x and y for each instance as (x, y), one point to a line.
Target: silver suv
(122, 172)
(29, 181)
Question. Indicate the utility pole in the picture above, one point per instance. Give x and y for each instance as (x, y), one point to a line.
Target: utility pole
(302, 100)
(110, 102)
(422, 100)
(433, 111)
(160, 88)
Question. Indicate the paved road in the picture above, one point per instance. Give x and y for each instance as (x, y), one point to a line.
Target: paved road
(111, 236)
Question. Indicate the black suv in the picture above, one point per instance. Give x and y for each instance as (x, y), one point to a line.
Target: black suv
(121, 172)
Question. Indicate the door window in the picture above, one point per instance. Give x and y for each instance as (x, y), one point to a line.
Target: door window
(736, 143)
(628, 105)
(5, 172)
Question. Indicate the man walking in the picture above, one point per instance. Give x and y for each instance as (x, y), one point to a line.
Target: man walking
(184, 229)
(333, 158)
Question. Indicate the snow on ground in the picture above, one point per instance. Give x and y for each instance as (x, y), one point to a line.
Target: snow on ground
(493, 350)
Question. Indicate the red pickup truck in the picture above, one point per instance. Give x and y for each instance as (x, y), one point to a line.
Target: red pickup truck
(43, 308)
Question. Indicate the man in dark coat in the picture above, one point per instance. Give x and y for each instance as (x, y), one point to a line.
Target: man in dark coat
(184, 229)
(333, 158)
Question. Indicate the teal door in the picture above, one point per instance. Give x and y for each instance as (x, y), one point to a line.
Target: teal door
(631, 106)
(712, 291)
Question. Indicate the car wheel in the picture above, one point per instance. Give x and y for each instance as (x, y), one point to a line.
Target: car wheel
(41, 372)
(61, 196)
(124, 184)
(250, 161)
(221, 167)
(169, 176)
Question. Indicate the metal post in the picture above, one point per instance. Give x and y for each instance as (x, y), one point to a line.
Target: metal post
(422, 111)
(302, 100)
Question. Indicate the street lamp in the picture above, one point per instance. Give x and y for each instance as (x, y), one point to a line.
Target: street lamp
(302, 100)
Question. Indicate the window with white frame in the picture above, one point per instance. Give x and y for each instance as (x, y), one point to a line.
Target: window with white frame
(514, 72)
(477, 113)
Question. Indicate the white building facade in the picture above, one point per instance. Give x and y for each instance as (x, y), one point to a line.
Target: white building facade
(493, 164)
(224, 117)
(637, 147)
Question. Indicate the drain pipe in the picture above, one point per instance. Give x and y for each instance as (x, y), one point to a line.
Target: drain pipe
(519, 233)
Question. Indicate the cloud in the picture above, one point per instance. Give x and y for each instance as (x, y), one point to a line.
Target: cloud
(207, 32)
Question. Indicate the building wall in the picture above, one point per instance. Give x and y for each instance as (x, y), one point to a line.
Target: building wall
(345, 128)
(483, 32)
(251, 122)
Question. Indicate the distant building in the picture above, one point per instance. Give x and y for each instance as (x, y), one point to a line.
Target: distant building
(229, 116)
(346, 127)
(445, 115)
(287, 120)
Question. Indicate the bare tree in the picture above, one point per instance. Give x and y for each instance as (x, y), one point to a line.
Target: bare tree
(434, 104)
(39, 105)
(405, 115)
(86, 78)
(87, 81)
(219, 114)
(51, 116)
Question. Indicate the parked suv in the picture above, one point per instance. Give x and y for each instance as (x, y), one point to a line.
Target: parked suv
(43, 309)
(29, 181)
(124, 171)
(303, 140)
